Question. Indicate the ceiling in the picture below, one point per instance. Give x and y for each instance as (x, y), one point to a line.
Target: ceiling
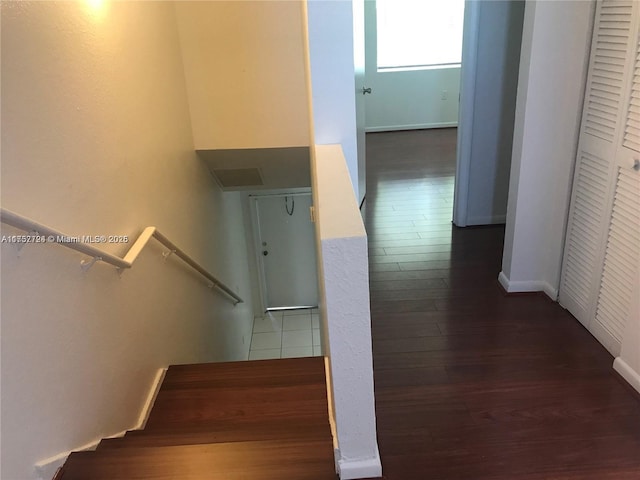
(259, 168)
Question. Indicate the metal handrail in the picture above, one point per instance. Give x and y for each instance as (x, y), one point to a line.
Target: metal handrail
(54, 236)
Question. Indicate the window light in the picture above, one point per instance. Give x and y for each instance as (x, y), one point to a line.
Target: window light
(419, 33)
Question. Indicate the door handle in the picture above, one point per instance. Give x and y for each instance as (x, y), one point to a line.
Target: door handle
(265, 253)
(366, 90)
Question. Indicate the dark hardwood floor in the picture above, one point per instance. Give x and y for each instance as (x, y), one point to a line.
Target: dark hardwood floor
(471, 383)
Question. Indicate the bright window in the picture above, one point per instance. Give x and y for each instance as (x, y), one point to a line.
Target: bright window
(419, 33)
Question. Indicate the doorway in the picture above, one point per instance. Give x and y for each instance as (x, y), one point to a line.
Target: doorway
(443, 94)
(414, 83)
(285, 251)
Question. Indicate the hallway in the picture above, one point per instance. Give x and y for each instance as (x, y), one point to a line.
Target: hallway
(471, 383)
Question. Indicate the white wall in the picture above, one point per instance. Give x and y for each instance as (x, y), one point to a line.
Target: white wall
(407, 100)
(96, 139)
(330, 30)
(244, 66)
(341, 240)
(345, 315)
(496, 78)
(555, 46)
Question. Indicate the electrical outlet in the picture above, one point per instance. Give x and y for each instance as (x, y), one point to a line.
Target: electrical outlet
(444, 95)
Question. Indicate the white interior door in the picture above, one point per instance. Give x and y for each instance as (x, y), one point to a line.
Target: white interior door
(359, 71)
(617, 284)
(603, 232)
(286, 251)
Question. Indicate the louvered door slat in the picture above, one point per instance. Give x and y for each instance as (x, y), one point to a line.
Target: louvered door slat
(626, 237)
(607, 84)
(587, 238)
(602, 113)
(618, 266)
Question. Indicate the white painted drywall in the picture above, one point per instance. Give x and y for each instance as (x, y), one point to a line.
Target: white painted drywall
(96, 139)
(405, 100)
(330, 30)
(345, 315)
(553, 65)
(496, 79)
(244, 66)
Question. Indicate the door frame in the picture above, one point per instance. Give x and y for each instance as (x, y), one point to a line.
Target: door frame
(359, 67)
(468, 70)
(257, 245)
(468, 67)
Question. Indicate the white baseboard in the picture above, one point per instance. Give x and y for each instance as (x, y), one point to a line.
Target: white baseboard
(354, 469)
(413, 126)
(551, 292)
(151, 399)
(47, 468)
(628, 373)
(486, 220)
(527, 286)
(504, 281)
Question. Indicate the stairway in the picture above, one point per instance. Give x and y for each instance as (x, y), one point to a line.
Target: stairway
(259, 420)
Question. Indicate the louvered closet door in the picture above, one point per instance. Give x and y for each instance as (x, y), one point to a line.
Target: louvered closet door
(589, 211)
(601, 231)
(618, 280)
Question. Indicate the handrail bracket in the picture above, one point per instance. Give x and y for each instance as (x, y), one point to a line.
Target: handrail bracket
(86, 265)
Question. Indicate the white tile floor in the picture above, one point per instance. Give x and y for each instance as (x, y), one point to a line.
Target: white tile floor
(286, 334)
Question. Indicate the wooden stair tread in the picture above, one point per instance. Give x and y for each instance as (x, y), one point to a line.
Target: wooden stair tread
(240, 392)
(233, 433)
(266, 373)
(262, 420)
(261, 460)
(263, 431)
(244, 398)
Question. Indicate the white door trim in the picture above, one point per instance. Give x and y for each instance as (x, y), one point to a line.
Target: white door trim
(465, 112)
(255, 220)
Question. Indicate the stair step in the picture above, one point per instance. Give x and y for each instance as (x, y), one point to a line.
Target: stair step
(311, 428)
(238, 392)
(199, 407)
(259, 460)
(262, 420)
(276, 372)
